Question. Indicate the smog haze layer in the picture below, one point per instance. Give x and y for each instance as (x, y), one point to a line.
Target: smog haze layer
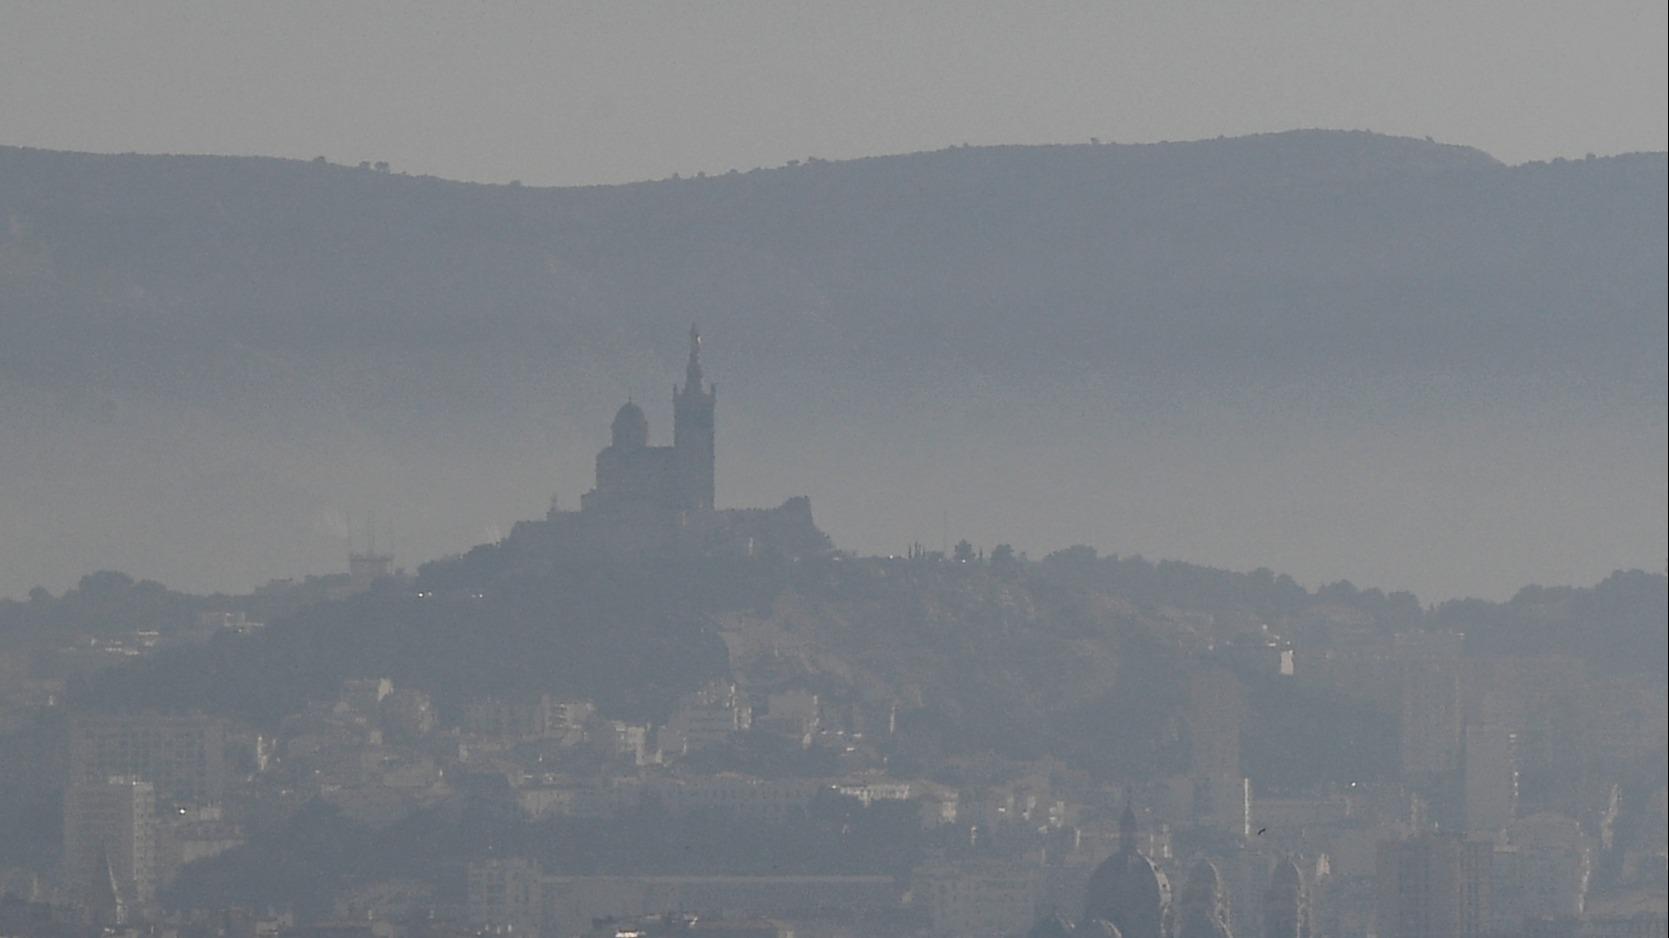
(1432, 365)
(1337, 355)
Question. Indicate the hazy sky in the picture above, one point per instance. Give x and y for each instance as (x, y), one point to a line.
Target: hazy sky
(563, 93)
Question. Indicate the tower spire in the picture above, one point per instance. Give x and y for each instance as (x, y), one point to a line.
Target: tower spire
(692, 432)
(692, 371)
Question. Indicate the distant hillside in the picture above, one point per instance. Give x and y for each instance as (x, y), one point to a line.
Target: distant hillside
(1081, 656)
(1013, 656)
(1373, 356)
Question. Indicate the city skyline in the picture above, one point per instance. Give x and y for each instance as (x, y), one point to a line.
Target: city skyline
(1185, 470)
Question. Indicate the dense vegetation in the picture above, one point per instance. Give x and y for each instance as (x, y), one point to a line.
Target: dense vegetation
(1013, 656)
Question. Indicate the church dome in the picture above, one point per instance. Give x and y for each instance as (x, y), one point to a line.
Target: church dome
(1204, 880)
(631, 427)
(1128, 891)
(1203, 910)
(1286, 904)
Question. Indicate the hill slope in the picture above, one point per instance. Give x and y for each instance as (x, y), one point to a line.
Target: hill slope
(1338, 353)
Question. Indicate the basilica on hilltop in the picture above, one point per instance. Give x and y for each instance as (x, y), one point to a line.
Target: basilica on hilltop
(679, 477)
(659, 501)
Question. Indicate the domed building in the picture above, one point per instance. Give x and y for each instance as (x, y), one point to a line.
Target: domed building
(1128, 891)
(1203, 909)
(633, 474)
(630, 430)
(1286, 905)
(658, 501)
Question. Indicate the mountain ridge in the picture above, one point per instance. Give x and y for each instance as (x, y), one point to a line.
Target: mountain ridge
(196, 345)
(1463, 154)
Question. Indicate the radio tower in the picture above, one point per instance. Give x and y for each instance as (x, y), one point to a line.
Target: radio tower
(368, 567)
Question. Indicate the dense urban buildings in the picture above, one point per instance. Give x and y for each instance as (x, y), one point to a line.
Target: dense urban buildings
(653, 716)
(110, 849)
(1434, 886)
(183, 757)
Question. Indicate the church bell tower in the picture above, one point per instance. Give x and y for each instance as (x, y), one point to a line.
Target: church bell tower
(692, 432)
